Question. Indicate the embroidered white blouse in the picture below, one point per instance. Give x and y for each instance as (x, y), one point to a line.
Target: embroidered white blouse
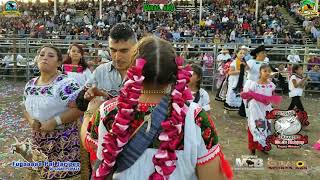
(43, 102)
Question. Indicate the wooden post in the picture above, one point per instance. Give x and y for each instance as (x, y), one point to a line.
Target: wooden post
(257, 10)
(305, 59)
(14, 52)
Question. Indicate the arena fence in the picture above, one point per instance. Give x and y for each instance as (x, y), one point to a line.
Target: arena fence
(25, 68)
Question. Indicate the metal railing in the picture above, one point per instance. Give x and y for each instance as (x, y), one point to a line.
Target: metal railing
(27, 48)
(208, 39)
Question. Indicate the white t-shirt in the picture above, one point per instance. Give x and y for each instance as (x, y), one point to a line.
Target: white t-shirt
(294, 58)
(80, 78)
(225, 19)
(233, 36)
(294, 91)
(208, 22)
(253, 72)
(240, 20)
(223, 57)
(204, 100)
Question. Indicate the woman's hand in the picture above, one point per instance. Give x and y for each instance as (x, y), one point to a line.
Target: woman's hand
(49, 125)
(95, 104)
(35, 124)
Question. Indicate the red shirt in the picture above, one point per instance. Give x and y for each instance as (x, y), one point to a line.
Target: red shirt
(246, 26)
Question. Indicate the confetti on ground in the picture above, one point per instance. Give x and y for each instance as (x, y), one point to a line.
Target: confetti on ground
(232, 131)
(11, 124)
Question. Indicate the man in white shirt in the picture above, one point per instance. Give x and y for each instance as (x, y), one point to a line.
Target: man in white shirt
(68, 17)
(8, 59)
(224, 56)
(233, 36)
(208, 22)
(100, 24)
(240, 20)
(104, 54)
(294, 57)
(86, 19)
(225, 19)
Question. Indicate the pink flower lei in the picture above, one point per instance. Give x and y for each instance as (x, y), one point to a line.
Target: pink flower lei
(165, 158)
(128, 100)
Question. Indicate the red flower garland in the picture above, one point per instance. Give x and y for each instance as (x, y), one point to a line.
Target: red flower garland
(165, 159)
(114, 141)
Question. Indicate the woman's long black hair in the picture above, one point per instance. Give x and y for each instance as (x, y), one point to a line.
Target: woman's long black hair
(239, 86)
(197, 70)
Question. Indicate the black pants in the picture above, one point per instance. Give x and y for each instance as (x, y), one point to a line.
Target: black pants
(242, 110)
(296, 102)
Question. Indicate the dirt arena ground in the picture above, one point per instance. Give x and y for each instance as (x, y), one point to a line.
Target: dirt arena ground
(231, 130)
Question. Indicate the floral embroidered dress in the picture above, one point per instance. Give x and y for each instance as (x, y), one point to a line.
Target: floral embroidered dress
(198, 147)
(259, 128)
(43, 102)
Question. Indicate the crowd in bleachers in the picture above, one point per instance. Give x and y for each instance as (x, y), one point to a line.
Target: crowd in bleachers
(221, 22)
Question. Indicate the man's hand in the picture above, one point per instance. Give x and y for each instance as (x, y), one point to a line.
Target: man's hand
(93, 92)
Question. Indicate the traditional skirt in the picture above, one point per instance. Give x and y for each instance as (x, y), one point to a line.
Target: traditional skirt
(222, 91)
(253, 145)
(60, 145)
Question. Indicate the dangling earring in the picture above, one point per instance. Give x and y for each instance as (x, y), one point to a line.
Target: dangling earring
(168, 89)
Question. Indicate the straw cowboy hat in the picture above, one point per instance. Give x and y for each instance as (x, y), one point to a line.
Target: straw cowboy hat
(245, 47)
(224, 50)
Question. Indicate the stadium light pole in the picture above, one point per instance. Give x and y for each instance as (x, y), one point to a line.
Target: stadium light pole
(317, 7)
(100, 8)
(55, 7)
(257, 9)
(200, 12)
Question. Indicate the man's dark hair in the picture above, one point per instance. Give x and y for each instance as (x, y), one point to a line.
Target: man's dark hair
(122, 32)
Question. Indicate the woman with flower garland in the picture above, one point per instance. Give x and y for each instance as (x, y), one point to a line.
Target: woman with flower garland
(151, 131)
(75, 66)
(53, 122)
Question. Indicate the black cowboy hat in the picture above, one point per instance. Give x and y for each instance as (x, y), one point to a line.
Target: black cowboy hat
(259, 49)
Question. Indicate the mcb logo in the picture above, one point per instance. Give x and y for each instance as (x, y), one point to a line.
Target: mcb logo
(249, 163)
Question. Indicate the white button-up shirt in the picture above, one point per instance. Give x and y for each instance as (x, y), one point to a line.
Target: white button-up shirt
(106, 77)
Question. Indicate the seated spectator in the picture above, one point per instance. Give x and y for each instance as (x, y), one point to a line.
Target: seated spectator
(7, 61)
(313, 60)
(314, 75)
(281, 77)
(268, 38)
(293, 57)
